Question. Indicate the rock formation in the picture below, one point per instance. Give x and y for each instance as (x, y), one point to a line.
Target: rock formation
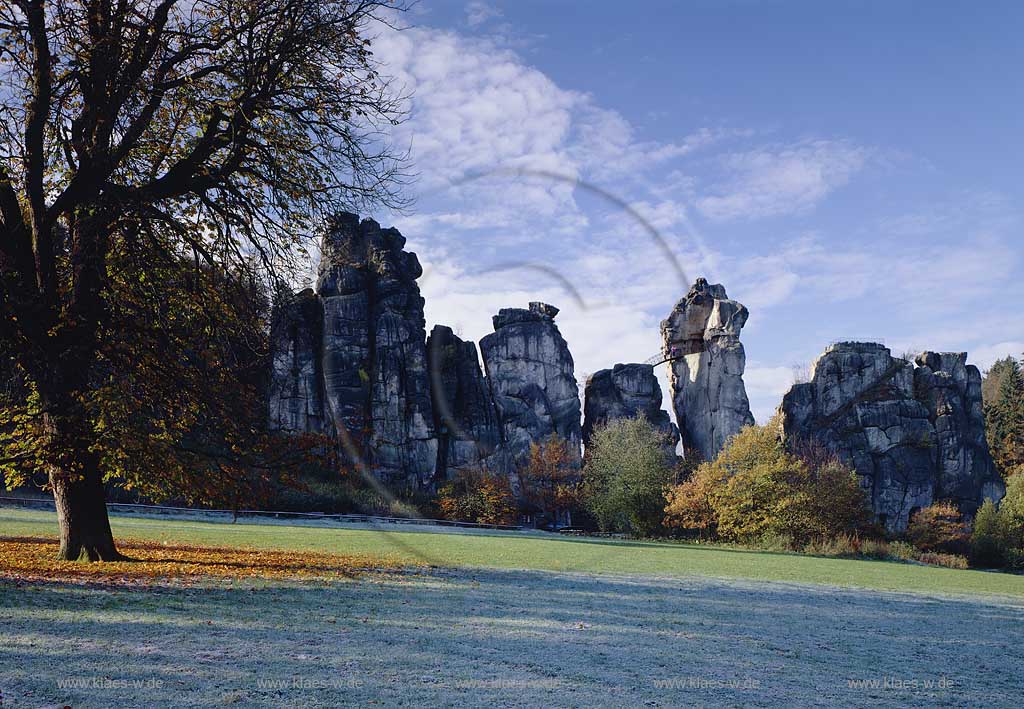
(531, 377)
(912, 435)
(350, 361)
(465, 418)
(951, 391)
(701, 338)
(625, 391)
(296, 384)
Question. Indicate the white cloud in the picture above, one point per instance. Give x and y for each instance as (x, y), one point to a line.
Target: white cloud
(765, 389)
(777, 180)
(483, 123)
(985, 355)
(479, 12)
(475, 107)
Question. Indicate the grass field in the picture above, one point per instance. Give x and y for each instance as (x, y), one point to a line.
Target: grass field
(543, 552)
(511, 620)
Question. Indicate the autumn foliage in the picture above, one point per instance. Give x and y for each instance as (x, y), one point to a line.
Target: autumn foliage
(551, 480)
(755, 489)
(34, 559)
(475, 495)
(938, 528)
(627, 474)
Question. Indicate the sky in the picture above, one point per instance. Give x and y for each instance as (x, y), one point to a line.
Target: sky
(847, 170)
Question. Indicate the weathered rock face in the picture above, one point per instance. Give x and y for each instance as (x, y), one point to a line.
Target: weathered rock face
(530, 372)
(625, 391)
(951, 391)
(465, 418)
(350, 361)
(702, 338)
(296, 385)
(374, 350)
(911, 435)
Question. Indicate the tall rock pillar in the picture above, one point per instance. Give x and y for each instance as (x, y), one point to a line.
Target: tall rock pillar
(465, 418)
(530, 371)
(376, 383)
(701, 337)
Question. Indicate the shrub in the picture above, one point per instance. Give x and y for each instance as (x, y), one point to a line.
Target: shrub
(776, 542)
(756, 489)
(998, 535)
(690, 504)
(1011, 510)
(877, 549)
(902, 551)
(551, 479)
(938, 527)
(474, 495)
(840, 545)
(626, 476)
(988, 538)
(951, 561)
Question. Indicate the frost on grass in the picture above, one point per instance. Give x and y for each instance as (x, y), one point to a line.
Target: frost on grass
(33, 559)
(463, 638)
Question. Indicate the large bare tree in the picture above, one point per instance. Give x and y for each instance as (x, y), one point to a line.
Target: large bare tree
(212, 131)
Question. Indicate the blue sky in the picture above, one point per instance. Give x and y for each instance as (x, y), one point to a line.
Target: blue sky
(846, 170)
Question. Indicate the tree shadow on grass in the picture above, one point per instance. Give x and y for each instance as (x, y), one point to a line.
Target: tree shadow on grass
(506, 638)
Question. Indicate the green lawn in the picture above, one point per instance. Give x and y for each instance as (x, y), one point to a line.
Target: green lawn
(513, 550)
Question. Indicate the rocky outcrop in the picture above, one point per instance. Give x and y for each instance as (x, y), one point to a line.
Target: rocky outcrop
(701, 340)
(465, 418)
(910, 434)
(951, 391)
(351, 360)
(531, 377)
(626, 391)
(296, 385)
(375, 349)
(360, 348)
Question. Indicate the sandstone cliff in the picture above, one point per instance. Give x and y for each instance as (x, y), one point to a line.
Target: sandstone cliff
(701, 339)
(352, 361)
(912, 435)
(532, 380)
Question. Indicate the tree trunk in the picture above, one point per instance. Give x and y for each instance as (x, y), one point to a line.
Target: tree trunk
(78, 493)
(82, 518)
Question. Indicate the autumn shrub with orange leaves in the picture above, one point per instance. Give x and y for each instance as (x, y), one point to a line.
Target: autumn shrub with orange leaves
(551, 479)
(475, 495)
(939, 528)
